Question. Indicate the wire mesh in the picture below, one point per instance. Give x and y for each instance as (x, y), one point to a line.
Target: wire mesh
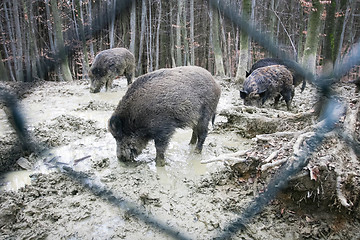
(333, 110)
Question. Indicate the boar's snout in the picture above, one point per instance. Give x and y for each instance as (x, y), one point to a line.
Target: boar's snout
(94, 90)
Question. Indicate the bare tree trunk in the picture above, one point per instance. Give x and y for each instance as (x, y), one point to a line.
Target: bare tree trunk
(133, 27)
(158, 36)
(111, 9)
(192, 38)
(244, 45)
(10, 70)
(37, 68)
(347, 13)
(64, 74)
(186, 60)
(19, 42)
(172, 50)
(85, 58)
(219, 64)
(89, 12)
(312, 38)
(149, 42)
(178, 33)
(224, 48)
(142, 34)
(3, 72)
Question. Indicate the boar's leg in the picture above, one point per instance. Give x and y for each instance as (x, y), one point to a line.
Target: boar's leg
(277, 98)
(160, 145)
(202, 131)
(288, 95)
(194, 137)
(129, 77)
(108, 84)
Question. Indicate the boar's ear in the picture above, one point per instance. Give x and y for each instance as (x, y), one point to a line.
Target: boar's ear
(243, 94)
(114, 126)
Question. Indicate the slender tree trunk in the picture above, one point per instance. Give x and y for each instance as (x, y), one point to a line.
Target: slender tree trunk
(19, 42)
(312, 38)
(178, 33)
(142, 34)
(329, 35)
(85, 58)
(339, 27)
(347, 15)
(172, 50)
(37, 68)
(150, 40)
(111, 10)
(89, 12)
(64, 74)
(158, 36)
(185, 36)
(3, 72)
(224, 48)
(244, 45)
(10, 70)
(133, 27)
(219, 64)
(192, 38)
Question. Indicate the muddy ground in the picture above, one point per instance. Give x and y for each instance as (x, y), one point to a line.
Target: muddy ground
(198, 200)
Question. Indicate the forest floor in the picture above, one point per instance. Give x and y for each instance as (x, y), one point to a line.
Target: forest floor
(197, 199)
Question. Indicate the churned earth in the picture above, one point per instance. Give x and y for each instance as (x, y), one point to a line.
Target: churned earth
(77, 189)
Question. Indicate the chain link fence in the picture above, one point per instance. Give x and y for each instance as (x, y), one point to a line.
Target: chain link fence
(332, 110)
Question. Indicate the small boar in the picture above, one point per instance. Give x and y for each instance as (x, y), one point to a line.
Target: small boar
(159, 102)
(297, 78)
(108, 65)
(267, 82)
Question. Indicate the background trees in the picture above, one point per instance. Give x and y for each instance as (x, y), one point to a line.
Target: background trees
(167, 34)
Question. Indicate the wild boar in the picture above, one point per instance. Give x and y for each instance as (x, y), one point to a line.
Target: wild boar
(297, 78)
(267, 82)
(108, 65)
(159, 102)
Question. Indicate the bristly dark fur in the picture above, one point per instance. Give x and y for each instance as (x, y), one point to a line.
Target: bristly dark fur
(268, 82)
(159, 102)
(108, 65)
(297, 78)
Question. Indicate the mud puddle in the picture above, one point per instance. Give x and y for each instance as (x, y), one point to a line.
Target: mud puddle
(199, 200)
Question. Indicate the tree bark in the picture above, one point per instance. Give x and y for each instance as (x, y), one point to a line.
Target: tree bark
(158, 36)
(85, 57)
(142, 35)
(244, 46)
(133, 27)
(178, 33)
(192, 38)
(312, 37)
(64, 73)
(19, 43)
(219, 64)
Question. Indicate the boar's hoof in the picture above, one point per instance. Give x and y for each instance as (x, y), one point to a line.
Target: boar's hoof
(197, 151)
(160, 162)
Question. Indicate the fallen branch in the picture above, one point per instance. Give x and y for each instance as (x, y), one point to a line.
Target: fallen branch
(272, 164)
(272, 156)
(299, 142)
(340, 194)
(230, 156)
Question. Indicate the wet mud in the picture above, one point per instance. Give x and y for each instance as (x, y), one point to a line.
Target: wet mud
(40, 199)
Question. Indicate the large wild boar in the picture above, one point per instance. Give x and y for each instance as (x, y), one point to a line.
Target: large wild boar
(108, 65)
(297, 78)
(268, 82)
(159, 102)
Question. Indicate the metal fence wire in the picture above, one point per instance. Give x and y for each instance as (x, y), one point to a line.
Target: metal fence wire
(332, 110)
